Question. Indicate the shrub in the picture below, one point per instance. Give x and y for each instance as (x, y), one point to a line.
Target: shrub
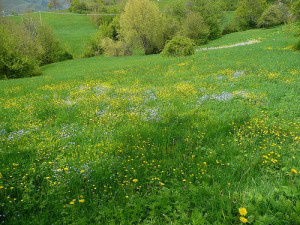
(272, 16)
(93, 46)
(17, 52)
(179, 46)
(248, 13)
(78, 7)
(44, 38)
(52, 50)
(195, 28)
(115, 48)
(229, 28)
(110, 30)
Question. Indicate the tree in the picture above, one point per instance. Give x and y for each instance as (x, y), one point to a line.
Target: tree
(54, 4)
(272, 16)
(141, 24)
(194, 27)
(248, 12)
(211, 11)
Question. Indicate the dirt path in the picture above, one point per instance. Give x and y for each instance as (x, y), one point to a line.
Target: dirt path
(230, 46)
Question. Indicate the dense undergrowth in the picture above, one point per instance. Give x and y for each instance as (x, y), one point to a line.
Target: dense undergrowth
(156, 140)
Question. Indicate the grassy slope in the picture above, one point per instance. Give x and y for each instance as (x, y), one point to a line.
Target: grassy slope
(67, 30)
(112, 120)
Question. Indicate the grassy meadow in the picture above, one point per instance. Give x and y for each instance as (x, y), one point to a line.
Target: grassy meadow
(156, 140)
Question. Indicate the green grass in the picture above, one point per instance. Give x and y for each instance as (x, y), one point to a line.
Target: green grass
(67, 30)
(156, 140)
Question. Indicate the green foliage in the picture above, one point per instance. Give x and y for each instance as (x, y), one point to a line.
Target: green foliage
(98, 19)
(229, 28)
(78, 6)
(177, 10)
(112, 29)
(248, 12)
(231, 5)
(54, 4)
(42, 34)
(141, 26)
(93, 47)
(52, 50)
(17, 52)
(171, 27)
(195, 28)
(296, 9)
(272, 16)
(179, 46)
(211, 11)
(115, 48)
(296, 13)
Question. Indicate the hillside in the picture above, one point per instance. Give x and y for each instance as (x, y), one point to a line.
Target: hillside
(156, 140)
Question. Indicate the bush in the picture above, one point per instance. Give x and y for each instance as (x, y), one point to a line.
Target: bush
(52, 51)
(195, 28)
(44, 38)
(115, 48)
(229, 28)
(110, 30)
(179, 46)
(17, 51)
(78, 7)
(248, 12)
(272, 16)
(93, 46)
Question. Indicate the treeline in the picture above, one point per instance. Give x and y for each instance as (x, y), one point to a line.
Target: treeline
(192, 22)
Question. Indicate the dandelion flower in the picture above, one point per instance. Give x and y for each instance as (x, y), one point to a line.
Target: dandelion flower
(294, 171)
(243, 211)
(81, 171)
(81, 200)
(135, 180)
(72, 203)
(243, 219)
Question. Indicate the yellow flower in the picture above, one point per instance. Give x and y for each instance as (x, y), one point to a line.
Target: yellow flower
(243, 219)
(66, 169)
(1, 187)
(82, 171)
(126, 196)
(135, 180)
(81, 200)
(72, 203)
(294, 171)
(243, 211)
(161, 183)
